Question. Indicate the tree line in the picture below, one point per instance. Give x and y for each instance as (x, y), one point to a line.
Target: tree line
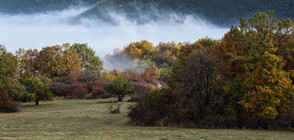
(244, 79)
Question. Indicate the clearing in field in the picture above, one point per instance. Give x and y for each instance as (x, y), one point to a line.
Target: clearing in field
(90, 119)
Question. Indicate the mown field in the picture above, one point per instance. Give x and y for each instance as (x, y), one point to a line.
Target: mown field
(90, 119)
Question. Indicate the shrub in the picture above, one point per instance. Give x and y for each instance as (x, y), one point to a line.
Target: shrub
(151, 107)
(79, 90)
(79, 84)
(111, 107)
(6, 104)
(60, 89)
(96, 89)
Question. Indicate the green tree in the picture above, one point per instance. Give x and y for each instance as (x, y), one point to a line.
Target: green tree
(9, 85)
(39, 86)
(120, 86)
(90, 62)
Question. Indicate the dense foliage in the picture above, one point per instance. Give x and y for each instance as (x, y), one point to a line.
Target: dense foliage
(39, 87)
(244, 79)
(120, 87)
(8, 83)
(90, 62)
(256, 57)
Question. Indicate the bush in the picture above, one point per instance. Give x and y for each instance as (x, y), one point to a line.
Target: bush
(218, 121)
(96, 89)
(111, 107)
(79, 90)
(79, 84)
(7, 105)
(152, 107)
(60, 89)
(140, 116)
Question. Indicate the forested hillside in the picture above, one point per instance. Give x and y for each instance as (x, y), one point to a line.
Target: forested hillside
(220, 12)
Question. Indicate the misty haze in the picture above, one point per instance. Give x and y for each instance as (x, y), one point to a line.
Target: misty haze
(39, 30)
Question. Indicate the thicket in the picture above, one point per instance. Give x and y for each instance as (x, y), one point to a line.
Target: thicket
(243, 80)
(70, 71)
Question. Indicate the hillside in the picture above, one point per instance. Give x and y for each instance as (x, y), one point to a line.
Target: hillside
(220, 12)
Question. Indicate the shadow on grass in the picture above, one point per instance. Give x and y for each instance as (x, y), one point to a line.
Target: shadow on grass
(32, 105)
(106, 102)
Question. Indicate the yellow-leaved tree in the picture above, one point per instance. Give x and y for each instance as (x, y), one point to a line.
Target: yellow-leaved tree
(58, 60)
(270, 88)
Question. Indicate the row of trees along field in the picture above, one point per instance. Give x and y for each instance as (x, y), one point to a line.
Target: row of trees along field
(243, 80)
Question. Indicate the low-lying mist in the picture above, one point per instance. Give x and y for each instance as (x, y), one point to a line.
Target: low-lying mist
(58, 27)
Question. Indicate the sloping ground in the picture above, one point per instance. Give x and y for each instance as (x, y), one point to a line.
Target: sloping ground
(219, 12)
(90, 119)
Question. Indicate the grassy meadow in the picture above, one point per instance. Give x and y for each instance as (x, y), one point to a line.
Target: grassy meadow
(90, 119)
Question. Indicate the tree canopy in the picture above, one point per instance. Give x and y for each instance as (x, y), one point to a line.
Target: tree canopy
(90, 62)
(120, 86)
(58, 60)
(39, 86)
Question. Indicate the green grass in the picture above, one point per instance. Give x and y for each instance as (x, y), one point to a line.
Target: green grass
(90, 119)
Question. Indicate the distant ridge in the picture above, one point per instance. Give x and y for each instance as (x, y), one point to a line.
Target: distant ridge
(220, 12)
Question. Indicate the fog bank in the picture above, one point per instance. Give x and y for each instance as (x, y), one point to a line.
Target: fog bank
(52, 28)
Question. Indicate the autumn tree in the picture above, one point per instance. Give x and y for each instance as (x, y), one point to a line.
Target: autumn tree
(201, 43)
(28, 64)
(120, 86)
(39, 86)
(90, 62)
(151, 73)
(270, 89)
(254, 58)
(58, 60)
(139, 49)
(20, 55)
(166, 53)
(197, 84)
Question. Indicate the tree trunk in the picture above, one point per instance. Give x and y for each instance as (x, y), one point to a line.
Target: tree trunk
(37, 102)
(120, 98)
